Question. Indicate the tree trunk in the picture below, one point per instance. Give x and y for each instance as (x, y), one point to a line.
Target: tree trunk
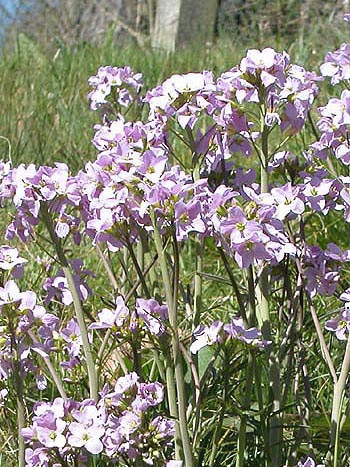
(180, 23)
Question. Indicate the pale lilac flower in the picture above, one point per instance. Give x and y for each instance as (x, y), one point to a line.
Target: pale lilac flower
(309, 462)
(188, 219)
(152, 314)
(287, 200)
(10, 259)
(128, 423)
(72, 336)
(149, 395)
(123, 385)
(10, 293)
(237, 330)
(41, 382)
(115, 318)
(88, 429)
(337, 64)
(86, 436)
(206, 335)
(50, 431)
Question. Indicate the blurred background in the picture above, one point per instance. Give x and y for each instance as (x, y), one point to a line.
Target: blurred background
(49, 48)
(53, 22)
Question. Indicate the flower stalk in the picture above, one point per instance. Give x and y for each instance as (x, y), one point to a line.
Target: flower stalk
(177, 358)
(263, 315)
(338, 396)
(79, 313)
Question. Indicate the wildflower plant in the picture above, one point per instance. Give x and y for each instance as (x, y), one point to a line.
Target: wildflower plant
(200, 170)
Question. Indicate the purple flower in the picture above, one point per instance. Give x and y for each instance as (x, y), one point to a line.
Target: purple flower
(149, 395)
(337, 64)
(188, 219)
(126, 83)
(10, 293)
(87, 436)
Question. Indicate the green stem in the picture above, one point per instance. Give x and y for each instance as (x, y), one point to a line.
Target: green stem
(198, 282)
(338, 396)
(18, 384)
(218, 425)
(242, 433)
(51, 369)
(107, 267)
(139, 271)
(171, 392)
(177, 358)
(79, 313)
(263, 315)
(21, 422)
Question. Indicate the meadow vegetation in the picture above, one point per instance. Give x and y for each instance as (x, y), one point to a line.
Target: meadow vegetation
(228, 352)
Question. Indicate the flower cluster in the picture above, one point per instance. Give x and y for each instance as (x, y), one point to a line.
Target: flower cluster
(36, 192)
(334, 127)
(20, 316)
(120, 423)
(57, 287)
(337, 64)
(123, 83)
(11, 261)
(217, 332)
(341, 323)
(267, 77)
(147, 314)
(309, 462)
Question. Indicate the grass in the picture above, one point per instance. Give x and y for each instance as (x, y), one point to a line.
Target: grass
(45, 112)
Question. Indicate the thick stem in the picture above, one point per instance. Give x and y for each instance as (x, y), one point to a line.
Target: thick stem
(177, 358)
(18, 384)
(171, 392)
